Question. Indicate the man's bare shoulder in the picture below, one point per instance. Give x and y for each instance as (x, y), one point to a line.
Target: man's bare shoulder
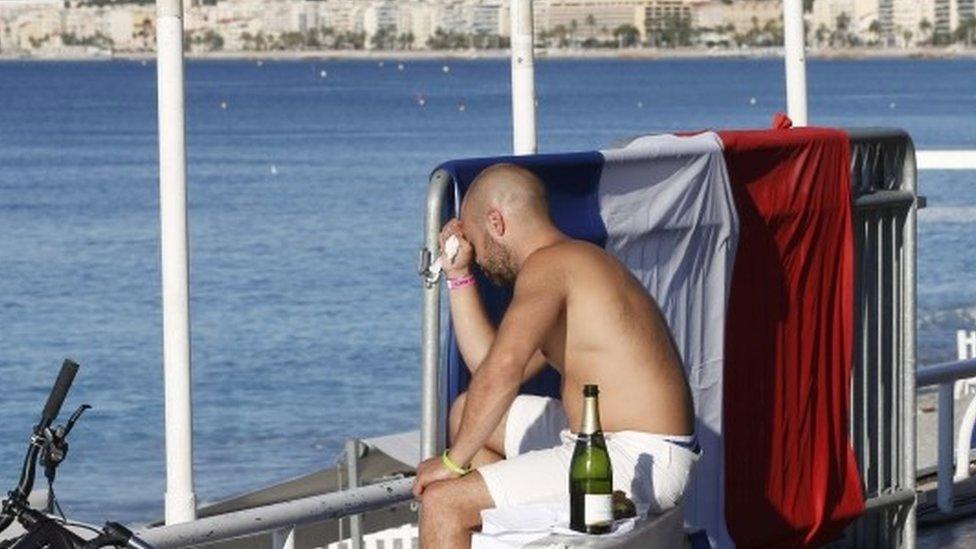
(553, 263)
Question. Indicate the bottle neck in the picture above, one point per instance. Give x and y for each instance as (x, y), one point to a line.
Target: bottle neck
(591, 416)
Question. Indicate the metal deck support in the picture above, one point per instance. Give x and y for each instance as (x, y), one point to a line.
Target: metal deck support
(174, 243)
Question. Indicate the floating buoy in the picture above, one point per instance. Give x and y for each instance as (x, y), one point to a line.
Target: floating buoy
(752, 100)
(144, 63)
(223, 105)
(640, 104)
(380, 63)
(462, 107)
(421, 101)
(446, 69)
(274, 170)
(400, 66)
(260, 63)
(891, 105)
(323, 73)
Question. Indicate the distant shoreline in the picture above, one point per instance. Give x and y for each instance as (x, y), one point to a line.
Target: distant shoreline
(419, 55)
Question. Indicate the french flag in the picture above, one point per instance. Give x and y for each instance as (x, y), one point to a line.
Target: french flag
(745, 240)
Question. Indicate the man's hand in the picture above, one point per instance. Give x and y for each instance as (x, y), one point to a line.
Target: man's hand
(461, 265)
(430, 471)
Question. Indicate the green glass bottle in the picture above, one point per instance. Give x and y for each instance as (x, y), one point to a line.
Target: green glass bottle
(590, 474)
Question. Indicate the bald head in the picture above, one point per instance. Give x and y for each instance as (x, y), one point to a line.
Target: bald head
(507, 188)
(505, 216)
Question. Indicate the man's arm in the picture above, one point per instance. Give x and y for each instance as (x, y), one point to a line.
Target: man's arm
(539, 298)
(473, 328)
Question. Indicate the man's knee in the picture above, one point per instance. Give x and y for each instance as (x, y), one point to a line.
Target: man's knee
(443, 504)
(457, 502)
(457, 410)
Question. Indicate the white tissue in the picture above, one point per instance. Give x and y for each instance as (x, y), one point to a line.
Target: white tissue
(451, 249)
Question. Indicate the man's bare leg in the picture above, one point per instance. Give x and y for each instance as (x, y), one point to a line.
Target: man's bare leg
(451, 510)
(494, 450)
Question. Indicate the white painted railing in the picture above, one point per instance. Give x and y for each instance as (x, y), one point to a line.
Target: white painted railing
(945, 376)
(406, 537)
(951, 378)
(946, 160)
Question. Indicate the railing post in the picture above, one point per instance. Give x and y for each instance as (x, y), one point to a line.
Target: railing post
(946, 424)
(966, 343)
(283, 539)
(352, 471)
(964, 441)
(430, 429)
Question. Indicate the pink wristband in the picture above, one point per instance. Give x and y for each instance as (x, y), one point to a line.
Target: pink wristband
(455, 283)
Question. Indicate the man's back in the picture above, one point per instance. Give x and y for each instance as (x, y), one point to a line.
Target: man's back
(611, 333)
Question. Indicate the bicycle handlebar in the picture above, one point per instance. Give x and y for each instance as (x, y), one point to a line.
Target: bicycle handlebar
(60, 390)
(51, 410)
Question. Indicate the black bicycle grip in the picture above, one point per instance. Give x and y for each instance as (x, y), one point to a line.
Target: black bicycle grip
(60, 390)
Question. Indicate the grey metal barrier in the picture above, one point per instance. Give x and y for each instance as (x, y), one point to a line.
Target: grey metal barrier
(882, 422)
(279, 516)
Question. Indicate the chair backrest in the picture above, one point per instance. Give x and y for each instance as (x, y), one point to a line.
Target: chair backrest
(571, 182)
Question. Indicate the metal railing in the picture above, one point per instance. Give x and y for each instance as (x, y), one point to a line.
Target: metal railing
(279, 517)
(882, 419)
(945, 376)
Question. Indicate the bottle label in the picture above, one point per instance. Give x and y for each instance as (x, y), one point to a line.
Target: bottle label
(597, 509)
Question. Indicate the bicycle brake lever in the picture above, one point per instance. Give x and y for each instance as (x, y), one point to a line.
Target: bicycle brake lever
(74, 419)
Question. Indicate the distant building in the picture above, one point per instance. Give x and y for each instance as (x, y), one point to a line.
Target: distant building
(598, 19)
(379, 16)
(133, 29)
(486, 17)
(420, 20)
(858, 14)
(36, 27)
(661, 15)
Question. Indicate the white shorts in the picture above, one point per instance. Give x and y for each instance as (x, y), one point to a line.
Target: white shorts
(653, 470)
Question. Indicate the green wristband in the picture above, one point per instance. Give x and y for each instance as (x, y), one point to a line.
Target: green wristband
(453, 467)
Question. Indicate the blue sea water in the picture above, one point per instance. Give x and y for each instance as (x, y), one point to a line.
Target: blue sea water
(306, 201)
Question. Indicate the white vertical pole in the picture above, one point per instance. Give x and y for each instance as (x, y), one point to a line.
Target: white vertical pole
(180, 499)
(283, 539)
(352, 471)
(523, 77)
(796, 63)
(944, 490)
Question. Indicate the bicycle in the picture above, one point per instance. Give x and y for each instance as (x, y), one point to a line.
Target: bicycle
(49, 447)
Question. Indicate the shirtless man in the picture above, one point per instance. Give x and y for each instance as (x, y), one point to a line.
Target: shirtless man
(578, 309)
